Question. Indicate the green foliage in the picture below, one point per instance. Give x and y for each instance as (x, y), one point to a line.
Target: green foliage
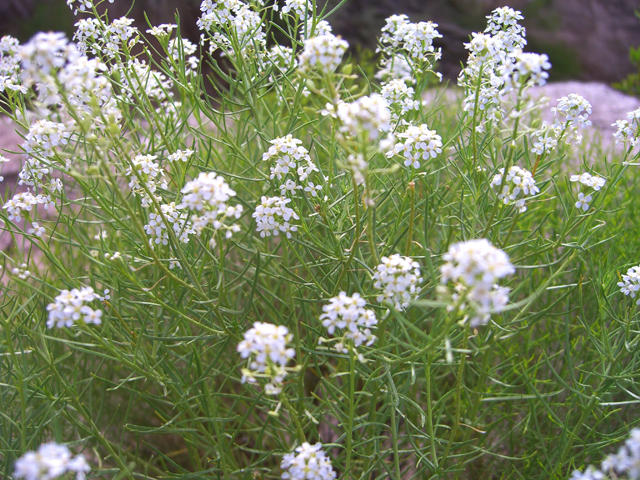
(550, 384)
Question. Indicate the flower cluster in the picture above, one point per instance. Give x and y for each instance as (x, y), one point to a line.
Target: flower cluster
(368, 116)
(157, 228)
(625, 463)
(628, 130)
(138, 80)
(70, 306)
(289, 157)
(311, 462)
(21, 272)
(183, 49)
(399, 278)
(296, 7)
(24, 202)
(144, 169)
(181, 155)
(474, 267)
(266, 346)
(592, 182)
(49, 462)
(322, 53)
(208, 196)
(348, 313)
(420, 143)
(518, 181)
(401, 38)
(400, 98)
(497, 64)
(631, 282)
(235, 25)
(10, 64)
(272, 217)
(571, 112)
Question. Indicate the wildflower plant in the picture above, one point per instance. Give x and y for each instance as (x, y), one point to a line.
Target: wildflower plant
(240, 258)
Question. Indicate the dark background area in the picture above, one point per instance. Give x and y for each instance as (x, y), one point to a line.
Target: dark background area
(585, 39)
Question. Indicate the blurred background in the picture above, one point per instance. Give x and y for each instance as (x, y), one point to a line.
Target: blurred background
(586, 40)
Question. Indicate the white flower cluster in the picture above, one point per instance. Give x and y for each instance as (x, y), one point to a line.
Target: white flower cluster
(117, 33)
(368, 115)
(322, 27)
(399, 278)
(10, 64)
(83, 5)
(183, 49)
(281, 59)
(474, 267)
(272, 217)
(395, 68)
(143, 168)
(591, 182)
(348, 313)
(70, 306)
(296, 7)
(21, 272)
(624, 464)
(400, 38)
(420, 143)
(289, 157)
(631, 282)
(571, 112)
(234, 25)
(400, 98)
(266, 347)
(524, 69)
(44, 137)
(311, 463)
(24, 202)
(518, 181)
(359, 167)
(163, 30)
(157, 228)
(322, 53)
(208, 196)
(628, 130)
(137, 79)
(43, 55)
(181, 155)
(496, 64)
(50, 461)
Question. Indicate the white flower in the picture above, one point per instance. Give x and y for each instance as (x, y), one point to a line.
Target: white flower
(266, 347)
(420, 144)
(208, 195)
(474, 267)
(369, 115)
(627, 461)
(323, 53)
(49, 462)
(182, 155)
(70, 306)
(298, 7)
(24, 202)
(144, 168)
(272, 217)
(399, 278)
(289, 157)
(583, 202)
(348, 313)
(36, 230)
(518, 181)
(21, 272)
(310, 463)
(589, 180)
(631, 282)
(178, 221)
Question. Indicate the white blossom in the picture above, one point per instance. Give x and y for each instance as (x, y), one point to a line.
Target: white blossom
(474, 267)
(310, 463)
(399, 279)
(420, 143)
(265, 345)
(181, 155)
(322, 53)
(519, 184)
(368, 115)
(348, 314)
(48, 462)
(272, 217)
(631, 282)
(70, 306)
